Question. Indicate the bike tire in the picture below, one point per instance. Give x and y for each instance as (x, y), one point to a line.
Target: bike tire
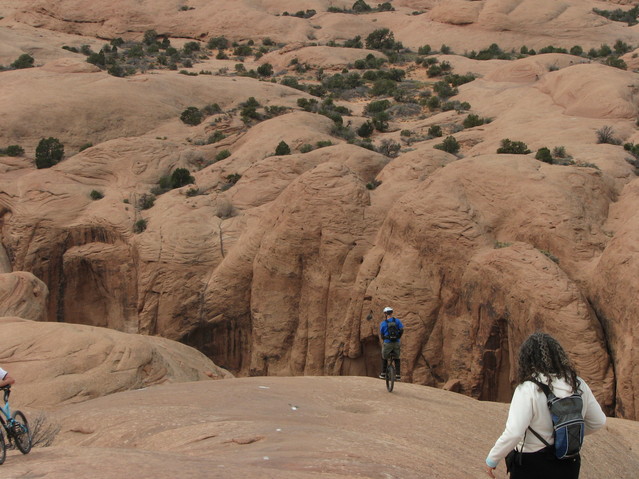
(390, 376)
(3, 447)
(22, 433)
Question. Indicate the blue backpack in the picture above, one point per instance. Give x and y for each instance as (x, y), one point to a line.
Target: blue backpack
(567, 420)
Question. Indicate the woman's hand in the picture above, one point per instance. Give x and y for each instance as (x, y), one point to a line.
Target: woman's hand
(490, 471)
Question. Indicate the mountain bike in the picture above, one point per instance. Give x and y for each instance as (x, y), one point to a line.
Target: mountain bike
(16, 427)
(391, 373)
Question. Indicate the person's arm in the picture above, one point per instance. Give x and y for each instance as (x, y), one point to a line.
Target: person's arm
(519, 417)
(594, 417)
(5, 378)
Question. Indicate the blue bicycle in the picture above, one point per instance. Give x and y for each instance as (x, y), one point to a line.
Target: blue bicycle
(16, 427)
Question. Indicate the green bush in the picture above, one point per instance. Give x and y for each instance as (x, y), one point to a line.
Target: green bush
(96, 195)
(146, 201)
(435, 131)
(472, 120)
(382, 39)
(449, 145)
(366, 129)
(192, 116)
(14, 150)
(215, 137)
(306, 147)
(181, 177)
(222, 155)
(139, 226)
(543, 154)
(513, 147)
(606, 134)
(323, 143)
(23, 61)
(282, 149)
(48, 152)
(265, 70)
(361, 6)
(377, 106)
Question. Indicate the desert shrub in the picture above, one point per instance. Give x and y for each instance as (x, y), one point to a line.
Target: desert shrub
(424, 50)
(243, 51)
(212, 109)
(619, 15)
(606, 134)
(456, 80)
(389, 148)
(444, 90)
(323, 143)
(373, 184)
(616, 62)
(215, 137)
(384, 87)
(14, 150)
(513, 147)
(43, 431)
(282, 149)
(435, 131)
(385, 7)
(577, 51)
(218, 43)
(552, 49)
(306, 147)
(181, 177)
(265, 70)
(366, 129)
(361, 6)
(449, 145)
(308, 105)
(355, 42)
(493, 51)
(380, 121)
(382, 39)
(96, 195)
(48, 152)
(433, 102)
(472, 120)
(233, 178)
(192, 116)
(543, 154)
(192, 192)
(222, 155)
(139, 226)
(377, 106)
(23, 61)
(146, 201)
(559, 152)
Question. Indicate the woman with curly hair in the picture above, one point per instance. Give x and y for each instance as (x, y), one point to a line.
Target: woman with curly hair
(543, 360)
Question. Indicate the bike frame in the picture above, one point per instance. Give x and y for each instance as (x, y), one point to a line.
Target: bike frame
(6, 410)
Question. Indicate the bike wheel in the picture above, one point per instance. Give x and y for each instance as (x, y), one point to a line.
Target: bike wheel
(390, 376)
(21, 433)
(3, 447)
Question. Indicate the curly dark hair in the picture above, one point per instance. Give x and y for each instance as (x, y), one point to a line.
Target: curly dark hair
(540, 353)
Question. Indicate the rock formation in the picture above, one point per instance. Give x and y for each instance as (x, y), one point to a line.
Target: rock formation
(280, 264)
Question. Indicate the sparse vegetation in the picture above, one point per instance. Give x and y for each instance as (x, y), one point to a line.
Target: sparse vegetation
(192, 116)
(449, 145)
(606, 134)
(513, 147)
(146, 201)
(23, 61)
(181, 177)
(12, 150)
(139, 226)
(96, 195)
(43, 431)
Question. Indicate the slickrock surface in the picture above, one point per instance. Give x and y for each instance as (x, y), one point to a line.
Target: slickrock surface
(332, 427)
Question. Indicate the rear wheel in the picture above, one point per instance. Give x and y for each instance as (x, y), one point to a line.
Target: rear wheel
(21, 433)
(390, 376)
(3, 447)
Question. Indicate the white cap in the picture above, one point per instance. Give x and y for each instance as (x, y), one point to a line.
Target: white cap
(388, 310)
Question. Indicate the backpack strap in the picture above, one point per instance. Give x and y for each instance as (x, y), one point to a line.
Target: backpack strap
(547, 392)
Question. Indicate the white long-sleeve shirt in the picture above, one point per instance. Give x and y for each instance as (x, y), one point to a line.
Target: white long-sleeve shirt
(3, 374)
(529, 408)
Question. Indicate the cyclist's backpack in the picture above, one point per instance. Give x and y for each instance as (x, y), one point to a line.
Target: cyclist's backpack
(393, 329)
(567, 420)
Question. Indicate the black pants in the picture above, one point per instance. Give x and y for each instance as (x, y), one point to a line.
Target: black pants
(544, 464)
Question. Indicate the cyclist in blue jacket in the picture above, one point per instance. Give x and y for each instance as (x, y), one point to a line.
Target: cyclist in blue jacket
(390, 330)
